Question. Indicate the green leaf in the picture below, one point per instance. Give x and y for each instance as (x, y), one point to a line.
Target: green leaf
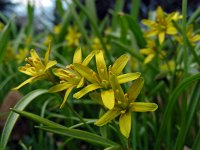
(12, 118)
(186, 124)
(4, 38)
(136, 29)
(62, 130)
(196, 145)
(172, 101)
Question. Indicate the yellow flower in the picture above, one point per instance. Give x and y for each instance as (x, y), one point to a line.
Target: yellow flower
(21, 55)
(69, 77)
(125, 105)
(73, 36)
(96, 44)
(168, 66)
(102, 79)
(151, 51)
(162, 25)
(35, 67)
(190, 35)
(56, 29)
(9, 54)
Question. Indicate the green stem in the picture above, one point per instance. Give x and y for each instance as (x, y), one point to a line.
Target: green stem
(184, 12)
(81, 119)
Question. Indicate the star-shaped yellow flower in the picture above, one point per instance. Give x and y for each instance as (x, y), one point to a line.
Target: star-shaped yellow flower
(125, 105)
(102, 79)
(151, 51)
(21, 55)
(162, 25)
(73, 36)
(35, 67)
(69, 77)
(192, 37)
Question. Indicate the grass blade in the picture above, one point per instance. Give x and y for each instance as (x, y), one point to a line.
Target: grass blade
(172, 100)
(12, 118)
(186, 124)
(62, 130)
(4, 40)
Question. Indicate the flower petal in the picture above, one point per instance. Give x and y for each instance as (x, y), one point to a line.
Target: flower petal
(119, 64)
(128, 77)
(195, 38)
(143, 107)
(119, 94)
(86, 90)
(86, 72)
(151, 32)
(149, 58)
(161, 37)
(25, 82)
(101, 65)
(77, 56)
(108, 98)
(171, 30)
(34, 55)
(81, 83)
(125, 124)
(108, 116)
(66, 96)
(159, 13)
(46, 57)
(135, 89)
(88, 58)
(147, 22)
(50, 64)
(60, 87)
(146, 51)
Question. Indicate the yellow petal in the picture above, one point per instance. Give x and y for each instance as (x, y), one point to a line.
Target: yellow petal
(46, 57)
(195, 38)
(119, 64)
(28, 71)
(125, 124)
(66, 96)
(145, 51)
(108, 116)
(161, 37)
(50, 64)
(88, 58)
(25, 82)
(81, 83)
(149, 58)
(60, 87)
(148, 22)
(86, 72)
(143, 107)
(77, 56)
(151, 32)
(135, 89)
(171, 30)
(108, 98)
(101, 65)
(86, 90)
(34, 55)
(119, 94)
(128, 77)
(159, 13)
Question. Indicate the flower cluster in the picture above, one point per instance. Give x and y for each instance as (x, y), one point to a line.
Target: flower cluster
(103, 85)
(36, 68)
(162, 25)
